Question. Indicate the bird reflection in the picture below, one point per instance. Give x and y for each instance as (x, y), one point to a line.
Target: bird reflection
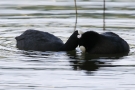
(90, 63)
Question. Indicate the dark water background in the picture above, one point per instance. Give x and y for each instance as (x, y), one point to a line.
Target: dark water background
(21, 70)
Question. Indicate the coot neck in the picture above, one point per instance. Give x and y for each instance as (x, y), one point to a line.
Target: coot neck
(71, 43)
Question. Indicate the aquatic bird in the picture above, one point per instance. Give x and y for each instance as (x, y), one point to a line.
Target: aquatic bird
(104, 43)
(44, 41)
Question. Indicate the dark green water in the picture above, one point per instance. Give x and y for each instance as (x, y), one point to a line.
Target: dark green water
(21, 70)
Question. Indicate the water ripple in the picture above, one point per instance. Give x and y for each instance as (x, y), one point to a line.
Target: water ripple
(30, 70)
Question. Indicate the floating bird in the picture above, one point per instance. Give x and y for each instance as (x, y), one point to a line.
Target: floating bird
(44, 41)
(105, 43)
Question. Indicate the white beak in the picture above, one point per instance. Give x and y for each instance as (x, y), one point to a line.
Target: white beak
(83, 49)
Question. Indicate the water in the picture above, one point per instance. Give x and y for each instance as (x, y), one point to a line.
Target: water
(22, 70)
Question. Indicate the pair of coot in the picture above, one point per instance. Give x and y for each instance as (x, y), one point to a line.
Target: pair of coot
(90, 41)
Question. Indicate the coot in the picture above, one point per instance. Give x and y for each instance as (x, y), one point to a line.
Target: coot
(104, 43)
(44, 41)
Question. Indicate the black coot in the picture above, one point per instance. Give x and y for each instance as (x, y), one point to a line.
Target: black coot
(105, 43)
(44, 41)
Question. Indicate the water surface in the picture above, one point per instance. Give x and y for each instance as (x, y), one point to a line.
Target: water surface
(23, 70)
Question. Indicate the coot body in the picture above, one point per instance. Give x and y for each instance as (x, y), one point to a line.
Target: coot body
(44, 41)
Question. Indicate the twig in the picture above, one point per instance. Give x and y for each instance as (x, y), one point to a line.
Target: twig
(104, 16)
(76, 15)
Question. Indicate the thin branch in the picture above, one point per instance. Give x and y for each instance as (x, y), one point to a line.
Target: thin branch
(104, 16)
(76, 15)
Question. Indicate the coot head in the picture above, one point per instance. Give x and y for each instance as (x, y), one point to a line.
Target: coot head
(88, 40)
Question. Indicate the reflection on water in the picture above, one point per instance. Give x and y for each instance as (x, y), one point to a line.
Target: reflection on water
(30, 70)
(92, 62)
